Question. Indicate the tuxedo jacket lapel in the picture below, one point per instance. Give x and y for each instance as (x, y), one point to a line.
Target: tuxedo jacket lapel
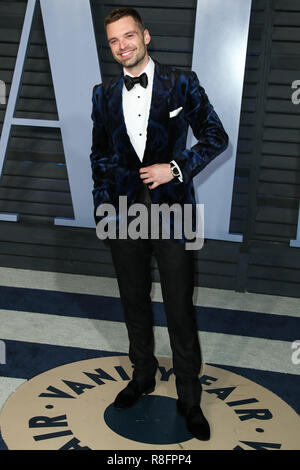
(118, 131)
(157, 130)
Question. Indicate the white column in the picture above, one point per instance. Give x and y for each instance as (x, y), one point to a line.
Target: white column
(75, 70)
(219, 56)
(14, 91)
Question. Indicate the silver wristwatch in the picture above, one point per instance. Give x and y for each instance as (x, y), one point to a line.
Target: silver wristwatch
(174, 170)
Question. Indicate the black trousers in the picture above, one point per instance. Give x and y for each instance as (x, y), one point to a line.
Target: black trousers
(132, 261)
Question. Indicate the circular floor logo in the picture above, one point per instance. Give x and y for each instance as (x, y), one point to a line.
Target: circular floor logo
(70, 407)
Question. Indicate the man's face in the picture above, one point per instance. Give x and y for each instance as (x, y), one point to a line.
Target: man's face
(127, 42)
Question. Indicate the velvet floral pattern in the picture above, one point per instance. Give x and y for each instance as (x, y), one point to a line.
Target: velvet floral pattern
(115, 164)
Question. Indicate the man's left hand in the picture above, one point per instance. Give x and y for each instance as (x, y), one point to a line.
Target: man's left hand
(157, 174)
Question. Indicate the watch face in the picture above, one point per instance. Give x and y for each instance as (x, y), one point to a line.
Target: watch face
(175, 171)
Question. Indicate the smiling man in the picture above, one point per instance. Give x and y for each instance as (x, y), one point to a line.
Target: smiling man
(128, 39)
(141, 121)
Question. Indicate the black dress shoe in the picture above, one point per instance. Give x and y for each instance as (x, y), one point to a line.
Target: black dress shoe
(131, 394)
(195, 421)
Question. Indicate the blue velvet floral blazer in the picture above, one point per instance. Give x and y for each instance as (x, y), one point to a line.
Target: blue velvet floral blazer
(115, 164)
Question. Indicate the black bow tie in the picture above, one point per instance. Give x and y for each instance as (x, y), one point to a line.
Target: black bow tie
(131, 81)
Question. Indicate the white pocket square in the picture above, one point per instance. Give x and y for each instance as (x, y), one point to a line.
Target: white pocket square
(175, 112)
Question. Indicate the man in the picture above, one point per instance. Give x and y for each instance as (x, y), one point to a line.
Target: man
(140, 128)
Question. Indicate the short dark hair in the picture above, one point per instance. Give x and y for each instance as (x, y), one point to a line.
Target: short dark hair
(119, 13)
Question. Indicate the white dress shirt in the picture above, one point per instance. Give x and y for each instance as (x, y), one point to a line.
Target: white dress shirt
(136, 109)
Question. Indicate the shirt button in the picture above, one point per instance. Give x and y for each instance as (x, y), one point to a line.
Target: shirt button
(140, 134)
